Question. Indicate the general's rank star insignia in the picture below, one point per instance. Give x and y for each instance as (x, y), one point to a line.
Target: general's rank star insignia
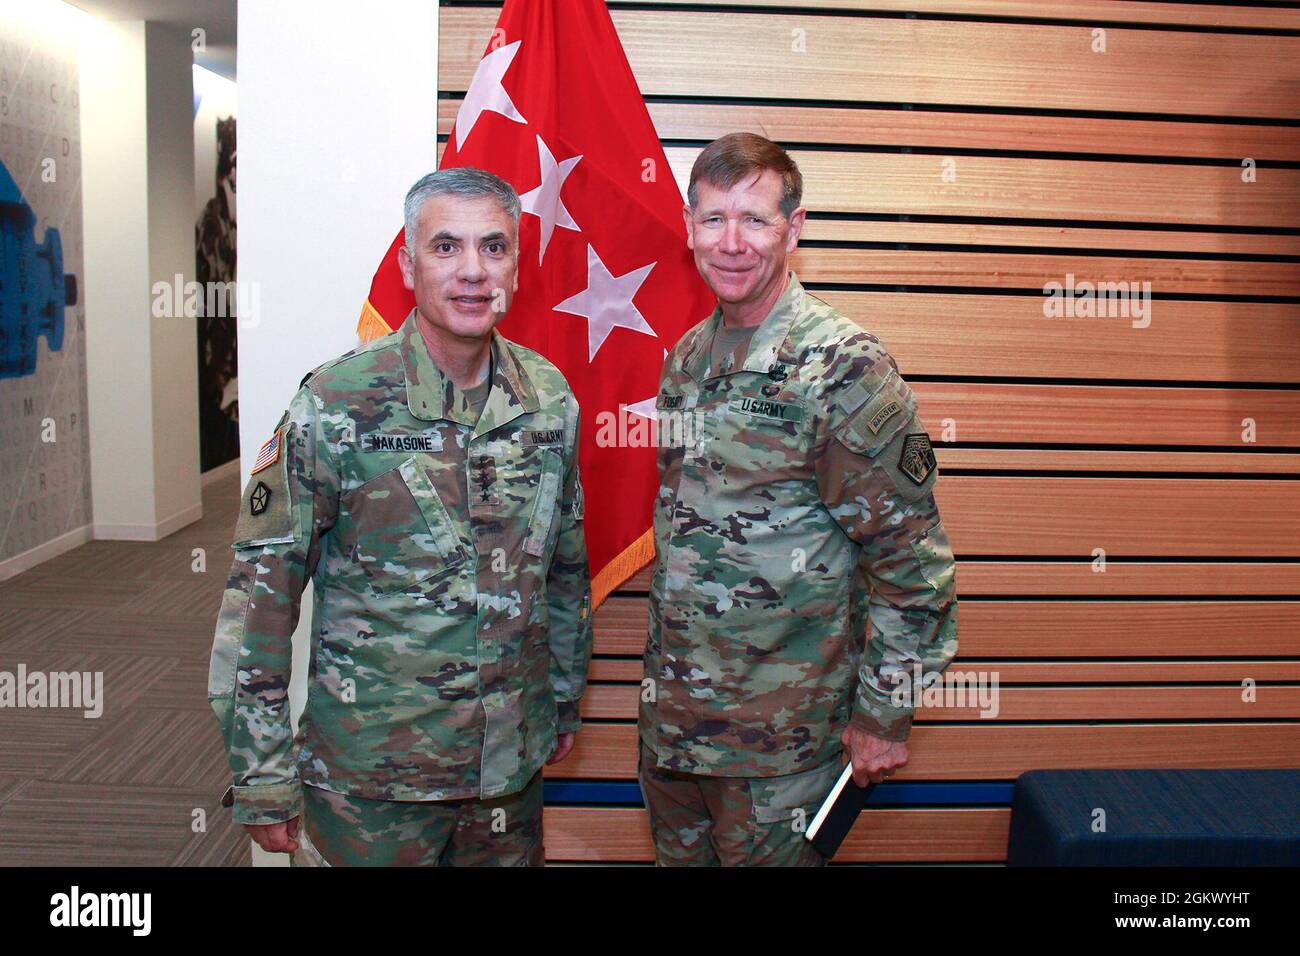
(917, 458)
(259, 499)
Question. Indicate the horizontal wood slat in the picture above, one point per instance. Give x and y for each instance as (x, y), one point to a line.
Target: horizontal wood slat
(621, 835)
(1063, 628)
(937, 129)
(929, 61)
(619, 701)
(1004, 335)
(1097, 11)
(1113, 238)
(1023, 188)
(1167, 517)
(1107, 414)
(1122, 578)
(989, 751)
(1129, 461)
(990, 515)
(1014, 270)
(609, 669)
(1130, 629)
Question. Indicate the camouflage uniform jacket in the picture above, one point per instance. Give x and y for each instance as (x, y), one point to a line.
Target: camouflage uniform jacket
(451, 625)
(795, 494)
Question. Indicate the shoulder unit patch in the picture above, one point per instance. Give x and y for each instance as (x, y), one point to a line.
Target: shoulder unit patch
(917, 458)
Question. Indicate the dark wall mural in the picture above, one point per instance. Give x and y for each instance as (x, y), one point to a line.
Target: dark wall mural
(218, 368)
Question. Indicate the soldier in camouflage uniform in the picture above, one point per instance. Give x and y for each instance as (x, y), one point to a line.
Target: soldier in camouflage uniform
(795, 523)
(441, 523)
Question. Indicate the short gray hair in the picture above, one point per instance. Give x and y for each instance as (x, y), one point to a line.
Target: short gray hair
(459, 181)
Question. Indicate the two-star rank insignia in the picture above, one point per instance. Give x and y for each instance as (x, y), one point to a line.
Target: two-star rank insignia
(259, 499)
(917, 459)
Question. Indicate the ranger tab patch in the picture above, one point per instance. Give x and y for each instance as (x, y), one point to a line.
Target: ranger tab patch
(882, 415)
(917, 458)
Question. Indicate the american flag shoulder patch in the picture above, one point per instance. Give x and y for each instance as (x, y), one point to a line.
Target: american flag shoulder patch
(269, 453)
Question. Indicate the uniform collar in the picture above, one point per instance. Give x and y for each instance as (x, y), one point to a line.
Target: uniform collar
(764, 347)
(431, 395)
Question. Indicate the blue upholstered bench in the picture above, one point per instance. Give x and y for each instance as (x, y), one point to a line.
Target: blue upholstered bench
(1156, 818)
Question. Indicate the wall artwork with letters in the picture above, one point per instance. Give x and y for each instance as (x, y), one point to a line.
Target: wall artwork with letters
(44, 443)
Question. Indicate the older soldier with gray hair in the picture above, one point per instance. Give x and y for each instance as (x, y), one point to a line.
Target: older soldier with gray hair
(427, 483)
(803, 579)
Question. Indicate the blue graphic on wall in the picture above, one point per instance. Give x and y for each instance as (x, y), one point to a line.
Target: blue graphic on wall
(34, 290)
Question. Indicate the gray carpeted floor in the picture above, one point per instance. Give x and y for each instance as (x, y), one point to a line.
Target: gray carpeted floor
(140, 784)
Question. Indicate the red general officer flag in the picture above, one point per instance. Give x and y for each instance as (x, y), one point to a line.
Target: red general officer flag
(606, 283)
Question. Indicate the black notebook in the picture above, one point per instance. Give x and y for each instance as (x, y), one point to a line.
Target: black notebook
(838, 812)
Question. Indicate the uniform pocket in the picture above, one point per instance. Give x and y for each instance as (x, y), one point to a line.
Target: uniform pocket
(934, 553)
(545, 504)
(404, 532)
(780, 799)
(223, 665)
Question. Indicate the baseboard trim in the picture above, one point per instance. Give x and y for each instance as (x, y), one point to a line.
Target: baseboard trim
(26, 560)
(149, 532)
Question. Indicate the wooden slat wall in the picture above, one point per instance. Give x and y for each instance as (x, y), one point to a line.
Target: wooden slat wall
(1057, 436)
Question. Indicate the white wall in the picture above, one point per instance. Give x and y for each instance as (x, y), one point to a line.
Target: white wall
(117, 267)
(138, 189)
(337, 118)
(174, 353)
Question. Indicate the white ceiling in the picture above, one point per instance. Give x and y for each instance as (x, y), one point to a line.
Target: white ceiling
(216, 17)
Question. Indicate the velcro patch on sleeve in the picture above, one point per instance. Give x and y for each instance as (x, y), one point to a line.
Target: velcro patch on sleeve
(877, 421)
(265, 510)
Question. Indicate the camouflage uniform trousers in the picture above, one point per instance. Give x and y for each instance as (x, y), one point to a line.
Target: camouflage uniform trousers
(343, 830)
(698, 820)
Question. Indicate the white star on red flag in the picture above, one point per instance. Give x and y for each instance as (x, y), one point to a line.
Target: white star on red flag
(645, 408)
(486, 94)
(545, 201)
(606, 303)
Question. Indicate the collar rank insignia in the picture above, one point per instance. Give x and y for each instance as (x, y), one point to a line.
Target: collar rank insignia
(259, 499)
(917, 459)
